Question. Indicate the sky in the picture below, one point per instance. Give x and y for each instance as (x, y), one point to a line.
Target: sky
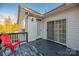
(11, 9)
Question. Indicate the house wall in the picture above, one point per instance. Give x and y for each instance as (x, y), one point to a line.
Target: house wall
(72, 26)
(22, 16)
(30, 26)
(32, 29)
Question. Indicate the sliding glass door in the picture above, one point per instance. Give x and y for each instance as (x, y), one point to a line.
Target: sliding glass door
(60, 31)
(50, 30)
(57, 30)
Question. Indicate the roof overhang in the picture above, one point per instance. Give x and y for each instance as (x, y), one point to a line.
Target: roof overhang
(31, 12)
(47, 14)
(59, 9)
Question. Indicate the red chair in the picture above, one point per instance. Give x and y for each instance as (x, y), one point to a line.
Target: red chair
(8, 44)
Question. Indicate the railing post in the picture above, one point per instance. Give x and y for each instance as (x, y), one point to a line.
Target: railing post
(27, 36)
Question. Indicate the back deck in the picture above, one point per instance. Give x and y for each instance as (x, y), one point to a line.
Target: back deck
(42, 47)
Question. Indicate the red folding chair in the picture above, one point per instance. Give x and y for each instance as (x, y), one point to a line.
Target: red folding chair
(8, 44)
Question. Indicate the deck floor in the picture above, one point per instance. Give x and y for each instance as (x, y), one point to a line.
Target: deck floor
(50, 48)
(41, 47)
(23, 50)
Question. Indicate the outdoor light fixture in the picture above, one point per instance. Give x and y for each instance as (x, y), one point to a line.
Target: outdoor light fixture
(26, 12)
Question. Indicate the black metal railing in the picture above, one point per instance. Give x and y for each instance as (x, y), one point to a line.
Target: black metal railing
(22, 36)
